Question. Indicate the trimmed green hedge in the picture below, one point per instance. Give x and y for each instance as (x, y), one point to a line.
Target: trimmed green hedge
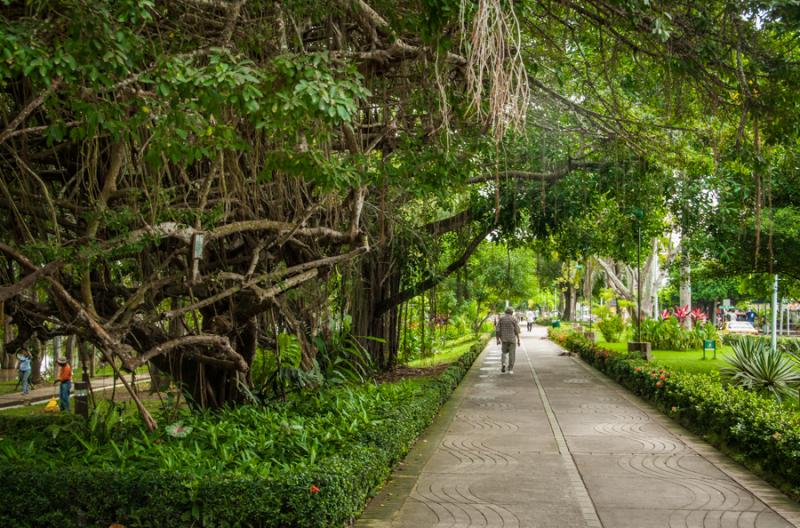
(330, 493)
(785, 344)
(755, 430)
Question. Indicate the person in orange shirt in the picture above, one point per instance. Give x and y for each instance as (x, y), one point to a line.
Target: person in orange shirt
(65, 378)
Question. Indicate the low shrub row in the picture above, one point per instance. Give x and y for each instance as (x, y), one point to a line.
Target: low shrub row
(757, 431)
(57, 485)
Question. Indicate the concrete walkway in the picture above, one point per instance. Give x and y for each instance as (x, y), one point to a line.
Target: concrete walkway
(557, 444)
(44, 391)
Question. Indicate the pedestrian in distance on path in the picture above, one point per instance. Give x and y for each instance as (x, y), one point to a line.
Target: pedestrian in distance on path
(65, 378)
(529, 317)
(24, 359)
(508, 338)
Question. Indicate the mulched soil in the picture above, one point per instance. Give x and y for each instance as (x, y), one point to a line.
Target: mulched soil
(403, 372)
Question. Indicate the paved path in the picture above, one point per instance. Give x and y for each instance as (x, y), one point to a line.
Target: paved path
(44, 391)
(557, 444)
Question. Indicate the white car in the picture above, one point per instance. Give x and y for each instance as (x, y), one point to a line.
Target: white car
(739, 327)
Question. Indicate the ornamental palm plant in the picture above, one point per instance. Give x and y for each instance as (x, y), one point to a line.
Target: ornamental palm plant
(757, 367)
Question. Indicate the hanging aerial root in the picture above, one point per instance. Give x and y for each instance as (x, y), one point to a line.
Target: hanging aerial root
(496, 77)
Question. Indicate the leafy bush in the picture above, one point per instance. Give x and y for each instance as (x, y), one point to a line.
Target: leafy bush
(759, 431)
(312, 461)
(611, 327)
(755, 366)
(458, 326)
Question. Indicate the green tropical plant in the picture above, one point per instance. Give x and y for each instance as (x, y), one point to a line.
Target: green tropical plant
(343, 359)
(668, 334)
(288, 375)
(761, 369)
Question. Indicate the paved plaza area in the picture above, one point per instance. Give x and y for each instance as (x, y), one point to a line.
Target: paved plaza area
(559, 445)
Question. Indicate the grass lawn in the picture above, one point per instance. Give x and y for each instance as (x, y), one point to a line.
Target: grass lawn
(450, 352)
(691, 360)
(687, 361)
(151, 402)
(7, 387)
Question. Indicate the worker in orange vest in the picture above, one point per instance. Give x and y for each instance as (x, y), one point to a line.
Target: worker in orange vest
(65, 378)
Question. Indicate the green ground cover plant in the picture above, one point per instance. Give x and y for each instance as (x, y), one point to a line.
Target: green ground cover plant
(449, 352)
(311, 461)
(759, 431)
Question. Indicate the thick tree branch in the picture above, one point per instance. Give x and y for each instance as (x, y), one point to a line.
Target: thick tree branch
(35, 103)
(549, 177)
(432, 281)
(7, 292)
(446, 225)
(219, 342)
(301, 273)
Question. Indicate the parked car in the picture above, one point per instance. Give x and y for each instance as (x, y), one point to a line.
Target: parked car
(739, 327)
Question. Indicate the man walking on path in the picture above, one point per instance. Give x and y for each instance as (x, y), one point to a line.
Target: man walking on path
(508, 335)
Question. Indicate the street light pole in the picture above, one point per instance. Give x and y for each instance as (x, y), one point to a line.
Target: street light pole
(774, 340)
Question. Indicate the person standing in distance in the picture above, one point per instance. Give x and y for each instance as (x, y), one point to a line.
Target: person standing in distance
(24, 367)
(65, 378)
(508, 338)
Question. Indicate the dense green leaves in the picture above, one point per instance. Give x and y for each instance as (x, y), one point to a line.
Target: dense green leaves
(311, 462)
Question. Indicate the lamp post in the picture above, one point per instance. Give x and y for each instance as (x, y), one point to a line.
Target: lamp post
(774, 335)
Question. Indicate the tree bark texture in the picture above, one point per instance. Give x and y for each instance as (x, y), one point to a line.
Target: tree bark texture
(685, 289)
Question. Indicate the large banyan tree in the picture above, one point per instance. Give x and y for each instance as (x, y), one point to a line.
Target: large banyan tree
(181, 178)
(182, 182)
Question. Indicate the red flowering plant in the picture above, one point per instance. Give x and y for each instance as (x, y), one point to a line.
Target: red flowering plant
(682, 312)
(661, 378)
(670, 334)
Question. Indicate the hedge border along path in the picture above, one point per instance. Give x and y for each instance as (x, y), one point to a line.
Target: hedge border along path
(72, 497)
(676, 420)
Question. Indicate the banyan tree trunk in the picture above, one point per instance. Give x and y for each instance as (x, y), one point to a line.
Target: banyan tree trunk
(207, 383)
(378, 332)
